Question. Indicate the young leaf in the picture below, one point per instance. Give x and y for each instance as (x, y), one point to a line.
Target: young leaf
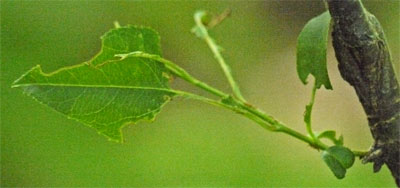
(340, 141)
(106, 93)
(338, 170)
(331, 135)
(344, 155)
(311, 51)
(338, 159)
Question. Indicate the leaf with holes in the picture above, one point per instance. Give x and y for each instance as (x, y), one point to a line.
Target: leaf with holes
(106, 92)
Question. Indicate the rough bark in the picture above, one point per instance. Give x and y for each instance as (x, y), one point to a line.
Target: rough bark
(365, 63)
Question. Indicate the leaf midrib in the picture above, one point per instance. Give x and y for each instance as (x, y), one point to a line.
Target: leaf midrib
(92, 86)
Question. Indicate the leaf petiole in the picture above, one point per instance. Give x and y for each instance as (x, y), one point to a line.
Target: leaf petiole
(308, 112)
(178, 71)
(201, 31)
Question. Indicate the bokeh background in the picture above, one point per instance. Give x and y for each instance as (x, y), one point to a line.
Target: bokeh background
(190, 143)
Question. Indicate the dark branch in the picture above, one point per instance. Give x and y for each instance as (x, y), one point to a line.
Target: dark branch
(365, 62)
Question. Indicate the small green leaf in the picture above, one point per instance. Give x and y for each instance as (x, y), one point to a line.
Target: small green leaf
(107, 92)
(338, 170)
(331, 135)
(344, 155)
(338, 159)
(340, 141)
(311, 51)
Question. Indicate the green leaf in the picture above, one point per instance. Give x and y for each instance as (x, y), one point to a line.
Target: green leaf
(311, 51)
(331, 135)
(327, 134)
(344, 155)
(338, 159)
(125, 40)
(338, 170)
(340, 141)
(106, 93)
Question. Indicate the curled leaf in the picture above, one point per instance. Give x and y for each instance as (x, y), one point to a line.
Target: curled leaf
(338, 159)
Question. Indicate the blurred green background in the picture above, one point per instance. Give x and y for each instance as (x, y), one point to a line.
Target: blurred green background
(190, 143)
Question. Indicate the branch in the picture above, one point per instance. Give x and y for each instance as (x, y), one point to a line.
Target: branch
(264, 120)
(365, 63)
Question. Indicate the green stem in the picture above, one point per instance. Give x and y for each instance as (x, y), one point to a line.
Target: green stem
(251, 116)
(203, 33)
(307, 116)
(280, 127)
(312, 142)
(266, 121)
(178, 71)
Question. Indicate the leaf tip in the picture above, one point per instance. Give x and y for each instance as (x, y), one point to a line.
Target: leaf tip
(327, 84)
(113, 135)
(19, 81)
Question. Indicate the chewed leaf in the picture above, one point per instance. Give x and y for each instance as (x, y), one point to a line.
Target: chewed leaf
(127, 39)
(311, 51)
(110, 95)
(338, 159)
